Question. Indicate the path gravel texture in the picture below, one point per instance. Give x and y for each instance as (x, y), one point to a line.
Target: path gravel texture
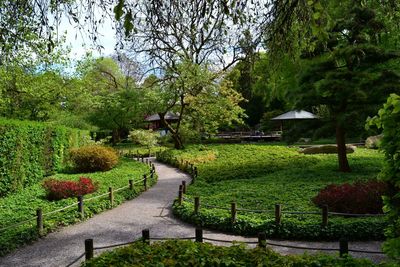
(152, 210)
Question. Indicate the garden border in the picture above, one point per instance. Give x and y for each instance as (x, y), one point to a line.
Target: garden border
(80, 203)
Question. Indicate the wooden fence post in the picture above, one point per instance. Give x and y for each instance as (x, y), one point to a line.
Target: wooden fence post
(137, 155)
(142, 159)
(147, 161)
(111, 196)
(343, 247)
(39, 221)
(233, 212)
(180, 195)
(80, 207)
(278, 214)
(262, 240)
(184, 187)
(195, 172)
(196, 205)
(325, 211)
(199, 235)
(89, 249)
(130, 184)
(145, 182)
(146, 236)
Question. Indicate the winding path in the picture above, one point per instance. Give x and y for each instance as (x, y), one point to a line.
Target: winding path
(152, 209)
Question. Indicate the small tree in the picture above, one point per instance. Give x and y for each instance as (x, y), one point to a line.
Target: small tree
(146, 138)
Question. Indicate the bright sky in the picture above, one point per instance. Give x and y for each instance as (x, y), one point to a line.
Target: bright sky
(81, 44)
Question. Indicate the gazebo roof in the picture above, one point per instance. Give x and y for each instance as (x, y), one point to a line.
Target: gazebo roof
(296, 115)
(168, 116)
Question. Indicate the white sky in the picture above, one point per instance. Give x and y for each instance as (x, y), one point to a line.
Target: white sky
(80, 44)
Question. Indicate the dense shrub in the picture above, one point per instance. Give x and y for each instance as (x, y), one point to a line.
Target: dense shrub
(58, 189)
(388, 119)
(15, 208)
(31, 150)
(93, 158)
(188, 253)
(146, 138)
(360, 197)
(258, 176)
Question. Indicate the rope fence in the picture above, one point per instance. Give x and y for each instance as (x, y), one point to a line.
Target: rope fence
(343, 246)
(278, 211)
(80, 203)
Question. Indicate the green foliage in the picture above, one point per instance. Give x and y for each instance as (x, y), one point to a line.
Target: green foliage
(22, 205)
(146, 138)
(93, 158)
(259, 176)
(389, 120)
(133, 150)
(31, 150)
(352, 74)
(188, 253)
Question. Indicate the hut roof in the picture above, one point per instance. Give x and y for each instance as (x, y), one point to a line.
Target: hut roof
(168, 116)
(296, 115)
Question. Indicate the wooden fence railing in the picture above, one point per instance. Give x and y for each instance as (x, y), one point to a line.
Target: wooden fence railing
(342, 248)
(278, 210)
(79, 205)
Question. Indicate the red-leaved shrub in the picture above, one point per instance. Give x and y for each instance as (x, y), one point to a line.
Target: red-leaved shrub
(358, 198)
(57, 189)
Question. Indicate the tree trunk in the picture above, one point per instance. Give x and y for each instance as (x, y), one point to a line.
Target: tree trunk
(177, 141)
(178, 144)
(116, 138)
(341, 148)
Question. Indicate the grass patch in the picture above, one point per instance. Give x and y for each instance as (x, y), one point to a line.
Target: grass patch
(22, 205)
(259, 176)
(134, 150)
(188, 253)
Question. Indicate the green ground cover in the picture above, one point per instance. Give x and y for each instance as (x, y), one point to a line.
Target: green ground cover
(259, 176)
(188, 253)
(21, 206)
(133, 150)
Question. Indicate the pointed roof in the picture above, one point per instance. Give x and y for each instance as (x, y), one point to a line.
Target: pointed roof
(168, 116)
(296, 115)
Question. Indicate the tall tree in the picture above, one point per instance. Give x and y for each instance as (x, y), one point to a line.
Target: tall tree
(114, 101)
(352, 75)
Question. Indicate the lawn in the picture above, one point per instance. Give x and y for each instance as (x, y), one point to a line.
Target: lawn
(257, 177)
(22, 205)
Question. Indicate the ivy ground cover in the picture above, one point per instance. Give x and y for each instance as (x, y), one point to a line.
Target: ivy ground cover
(188, 253)
(257, 177)
(21, 206)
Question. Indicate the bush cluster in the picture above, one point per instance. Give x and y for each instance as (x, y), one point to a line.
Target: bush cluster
(22, 206)
(362, 197)
(31, 150)
(58, 189)
(93, 158)
(258, 176)
(188, 253)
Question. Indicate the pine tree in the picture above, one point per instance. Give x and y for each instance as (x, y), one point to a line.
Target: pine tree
(351, 74)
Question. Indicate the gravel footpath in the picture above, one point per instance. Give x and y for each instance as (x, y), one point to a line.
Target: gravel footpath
(152, 210)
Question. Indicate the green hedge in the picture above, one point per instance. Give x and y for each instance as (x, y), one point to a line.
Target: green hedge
(31, 150)
(188, 253)
(21, 206)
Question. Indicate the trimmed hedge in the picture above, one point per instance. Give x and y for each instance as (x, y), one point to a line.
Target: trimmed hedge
(188, 253)
(22, 206)
(31, 150)
(93, 158)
